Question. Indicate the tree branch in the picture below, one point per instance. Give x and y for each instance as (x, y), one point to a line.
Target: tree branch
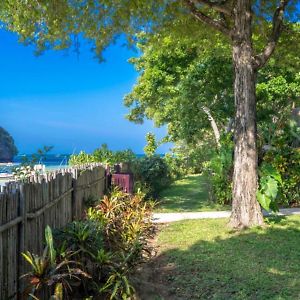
(205, 19)
(261, 59)
(217, 7)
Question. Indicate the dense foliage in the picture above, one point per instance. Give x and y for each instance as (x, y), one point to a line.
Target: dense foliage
(151, 174)
(178, 83)
(151, 145)
(103, 155)
(219, 169)
(96, 257)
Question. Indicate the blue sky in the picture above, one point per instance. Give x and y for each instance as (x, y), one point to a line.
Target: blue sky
(71, 102)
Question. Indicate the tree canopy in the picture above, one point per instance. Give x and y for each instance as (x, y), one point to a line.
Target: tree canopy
(57, 24)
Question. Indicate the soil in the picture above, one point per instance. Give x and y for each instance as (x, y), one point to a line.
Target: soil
(151, 278)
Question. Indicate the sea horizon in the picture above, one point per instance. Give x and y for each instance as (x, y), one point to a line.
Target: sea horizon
(52, 161)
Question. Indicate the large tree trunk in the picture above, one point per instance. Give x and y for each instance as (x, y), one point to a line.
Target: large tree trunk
(245, 208)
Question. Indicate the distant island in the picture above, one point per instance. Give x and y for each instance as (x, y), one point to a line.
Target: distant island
(8, 148)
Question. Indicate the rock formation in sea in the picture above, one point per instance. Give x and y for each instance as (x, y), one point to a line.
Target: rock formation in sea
(7, 146)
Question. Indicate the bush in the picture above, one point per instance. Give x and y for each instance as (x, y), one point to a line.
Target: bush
(286, 161)
(108, 245)
(188, 159)
(219, 170)
(284, 156)
(152, 173)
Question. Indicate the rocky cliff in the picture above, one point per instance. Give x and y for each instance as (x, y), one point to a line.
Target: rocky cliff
(7, 146)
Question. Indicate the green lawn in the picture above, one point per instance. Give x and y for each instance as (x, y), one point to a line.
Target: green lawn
(203, 259)
(188, 194)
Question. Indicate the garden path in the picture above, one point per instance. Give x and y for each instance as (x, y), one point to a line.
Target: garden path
(173, 217)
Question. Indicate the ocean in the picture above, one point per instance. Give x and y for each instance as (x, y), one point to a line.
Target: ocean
(51, 161)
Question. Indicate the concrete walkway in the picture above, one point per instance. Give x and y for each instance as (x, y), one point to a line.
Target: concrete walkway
(173, 217)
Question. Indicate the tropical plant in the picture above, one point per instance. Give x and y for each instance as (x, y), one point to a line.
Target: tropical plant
(109, 244)
(49, 274)
(269, 183)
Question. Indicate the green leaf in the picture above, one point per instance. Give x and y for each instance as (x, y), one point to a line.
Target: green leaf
(269, 170)
(49, 242)
(271, 188)
(263, 200)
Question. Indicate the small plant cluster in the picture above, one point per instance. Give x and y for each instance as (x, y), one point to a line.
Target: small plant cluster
(95, 258)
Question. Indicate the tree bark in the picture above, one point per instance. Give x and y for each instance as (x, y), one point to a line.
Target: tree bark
(246, 210)
(213, 125)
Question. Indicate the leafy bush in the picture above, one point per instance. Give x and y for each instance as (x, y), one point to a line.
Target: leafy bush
(152, 173)
(284, 156)
(108, 245)
(286, 162)
(188, 159)
(177, 165)
(219, 170)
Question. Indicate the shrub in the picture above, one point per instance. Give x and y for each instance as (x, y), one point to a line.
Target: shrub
(219, 170)
(286, 161)
(108, 245)
(152, 173)
(284, 156)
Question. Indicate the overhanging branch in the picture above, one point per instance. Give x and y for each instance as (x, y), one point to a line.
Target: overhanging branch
(206, 19)
(262, 58)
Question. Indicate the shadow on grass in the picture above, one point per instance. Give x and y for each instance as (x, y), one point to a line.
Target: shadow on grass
(252, 264)
(188, 194)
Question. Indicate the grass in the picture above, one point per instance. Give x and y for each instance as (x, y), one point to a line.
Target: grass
(188, 194)
(203, 259)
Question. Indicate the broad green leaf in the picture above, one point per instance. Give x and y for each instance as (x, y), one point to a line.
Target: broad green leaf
(269, 170)
(263, 200)
(271, 188)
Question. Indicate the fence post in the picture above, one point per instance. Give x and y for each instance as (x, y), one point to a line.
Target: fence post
(21, 236)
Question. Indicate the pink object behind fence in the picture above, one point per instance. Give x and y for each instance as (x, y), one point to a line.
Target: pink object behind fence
(123, 181)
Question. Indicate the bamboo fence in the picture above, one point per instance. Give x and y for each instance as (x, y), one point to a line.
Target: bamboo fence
(53, 199)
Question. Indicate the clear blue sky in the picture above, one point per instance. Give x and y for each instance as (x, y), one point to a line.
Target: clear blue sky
(68, 101)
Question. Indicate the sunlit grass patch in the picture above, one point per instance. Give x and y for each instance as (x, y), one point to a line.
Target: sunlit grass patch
(210, 261)
(188, 194)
